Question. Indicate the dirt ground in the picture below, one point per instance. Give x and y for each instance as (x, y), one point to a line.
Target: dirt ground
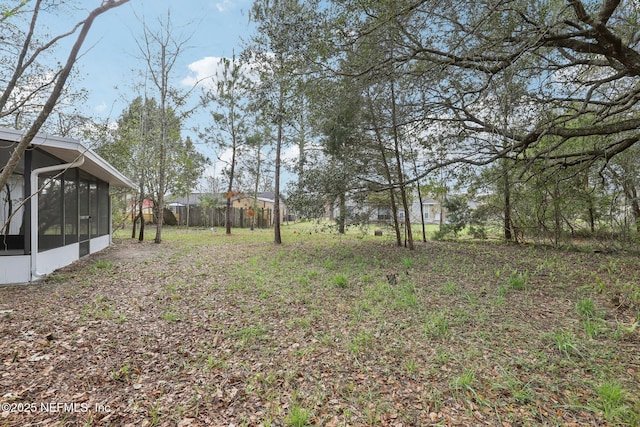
(213, 330)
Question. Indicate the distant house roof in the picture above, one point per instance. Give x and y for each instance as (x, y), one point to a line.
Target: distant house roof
(68, 150)
(268, 196)
(194, 199)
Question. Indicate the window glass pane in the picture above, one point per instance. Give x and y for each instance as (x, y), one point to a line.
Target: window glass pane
(70, 207)
(50, 225)
(93, 208)
(12, 216)
(83, 195)
(104, 208)
(384, 214)
(428, 209)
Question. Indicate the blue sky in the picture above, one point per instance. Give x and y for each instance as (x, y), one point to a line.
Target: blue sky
(111, 61)
(109, 65)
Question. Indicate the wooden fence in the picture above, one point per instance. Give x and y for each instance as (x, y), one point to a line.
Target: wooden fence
(215, 217)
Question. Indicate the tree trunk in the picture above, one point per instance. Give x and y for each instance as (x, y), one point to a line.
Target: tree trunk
(424, 228)
(632, 194)
(134, 218)
(415, 171)
(508, 236)
(557, 214)
(255, 190)
(387, 173)
(592, 219)
(394, 215)
(7, 225)
(188, 213)
(227, 214)
(141, 214)
(277, 238)
(230, 188)
(342, 215)
(401, 184)
(162, 172)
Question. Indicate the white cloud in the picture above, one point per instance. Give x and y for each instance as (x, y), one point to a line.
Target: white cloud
(101, 108)
(218, 163)
(291, 154)
(208, 70)
(204, 71)
(225, 5)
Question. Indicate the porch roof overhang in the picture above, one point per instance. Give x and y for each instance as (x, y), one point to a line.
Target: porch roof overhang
(69, 150)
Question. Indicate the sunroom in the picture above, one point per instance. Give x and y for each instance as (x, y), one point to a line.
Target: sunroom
(56, 207)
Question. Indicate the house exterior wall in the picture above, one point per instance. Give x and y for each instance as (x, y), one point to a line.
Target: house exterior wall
(99, 243)
(51, 260)
(263, 205)
(15, 269)
(68, 214)
(431, 209)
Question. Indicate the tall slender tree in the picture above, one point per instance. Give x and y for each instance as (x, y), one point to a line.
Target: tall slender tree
(228, 96)
(283, 32)
(139, 127)
(160, 48)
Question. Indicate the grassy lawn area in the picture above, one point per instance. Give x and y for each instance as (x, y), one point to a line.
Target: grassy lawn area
(213, 330)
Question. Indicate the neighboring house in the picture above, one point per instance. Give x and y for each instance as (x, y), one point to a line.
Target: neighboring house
(133, 210)
(69, 218)
(264, 205)
(194, 199)
(433, 212)
(192, 206)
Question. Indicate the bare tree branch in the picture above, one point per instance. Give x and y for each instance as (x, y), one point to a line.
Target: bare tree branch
(33, 130)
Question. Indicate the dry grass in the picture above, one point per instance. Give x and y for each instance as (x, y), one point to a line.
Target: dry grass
(208, 329)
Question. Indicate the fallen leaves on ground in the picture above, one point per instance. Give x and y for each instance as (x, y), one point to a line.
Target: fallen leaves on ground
(207, 330)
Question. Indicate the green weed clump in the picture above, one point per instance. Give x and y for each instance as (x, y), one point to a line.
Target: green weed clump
(436, 325)
(340, 281)
(171, 316)
(565, 342)
(586, 308)
(405, 296)
(464, 382)
(103, 264)
(449, 288)
(123, 373)
(99, 309)
(298, 416)
(360, 342)
(520, 391)
(614, 403)
(594, 325)
(518, 281)
(407, 263)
